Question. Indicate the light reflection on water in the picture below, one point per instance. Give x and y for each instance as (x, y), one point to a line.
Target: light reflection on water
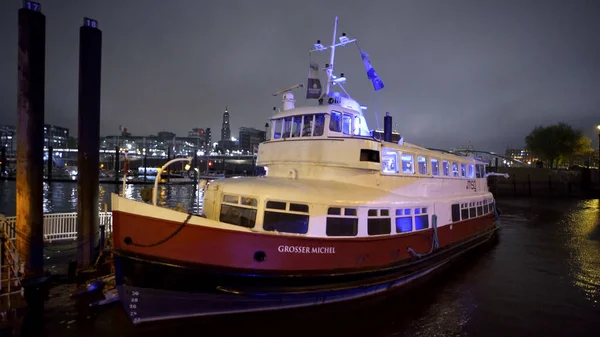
(583, 244)
(62, 197)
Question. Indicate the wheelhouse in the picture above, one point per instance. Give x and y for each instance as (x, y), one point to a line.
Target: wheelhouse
(318, 122)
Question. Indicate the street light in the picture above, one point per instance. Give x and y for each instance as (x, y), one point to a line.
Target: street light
(187, 167)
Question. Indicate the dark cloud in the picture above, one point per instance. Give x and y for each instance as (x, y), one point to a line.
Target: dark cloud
(483, 72)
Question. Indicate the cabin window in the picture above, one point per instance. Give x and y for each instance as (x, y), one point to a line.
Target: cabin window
(446, 167)
(435, 167)
(472, 211)
(335, 121)
(298, 208)
(342, 225)
(479, 209)
(421, 218)
(471, 171)
(422, 165)
(369, 155)
(379, 222)
(455, 213)
(232, 199)
(455, 172)
(408, 166)
(319, 124)
(297, 126)
(276, 205)
(278, 219)
(347, 124)
(463, 170)
(403, 220)
(240, 214)
(486, 209)
(277, 125)
(464, 212)
(389, 161)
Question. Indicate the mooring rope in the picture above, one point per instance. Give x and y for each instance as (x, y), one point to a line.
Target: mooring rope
(435, 242)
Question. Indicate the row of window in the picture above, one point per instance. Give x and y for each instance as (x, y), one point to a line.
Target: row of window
(393, 162)
(313, 125)
(465, 211)
(298, 126)
(291, 217)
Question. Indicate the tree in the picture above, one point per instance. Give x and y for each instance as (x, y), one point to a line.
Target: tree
(555, 143)
(583, 149)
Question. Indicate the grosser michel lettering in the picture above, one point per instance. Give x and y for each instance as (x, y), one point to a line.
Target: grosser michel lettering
(306, 250)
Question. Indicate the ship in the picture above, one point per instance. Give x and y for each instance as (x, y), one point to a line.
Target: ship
(340, 214)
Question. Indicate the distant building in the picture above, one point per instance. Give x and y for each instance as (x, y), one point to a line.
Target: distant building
(225, 127)
(250, 138)
(200, 136)
(208, 138)
(56, 136)
(8, 138)
(518, 154)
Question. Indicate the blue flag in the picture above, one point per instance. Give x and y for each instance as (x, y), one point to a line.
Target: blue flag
(371, 74)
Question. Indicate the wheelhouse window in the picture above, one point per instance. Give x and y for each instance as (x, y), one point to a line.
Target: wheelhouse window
(342, 221)
(389, 161)
(422, 165)
(347, 124)
(335, 121)
(298, 126)
(287, 127)
(286, 217)
(238, 210)
(307, 127)
(408, 166)
(463, 170)
(319, 124)
(435, 167)
(277, 126)
(379, 222)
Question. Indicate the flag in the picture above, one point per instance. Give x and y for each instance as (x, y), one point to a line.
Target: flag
(313, 89)
(371, 74)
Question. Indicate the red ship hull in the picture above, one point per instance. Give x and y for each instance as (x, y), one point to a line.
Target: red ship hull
(204, 270)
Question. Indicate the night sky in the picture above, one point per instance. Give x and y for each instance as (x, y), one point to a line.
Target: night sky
(456, 72)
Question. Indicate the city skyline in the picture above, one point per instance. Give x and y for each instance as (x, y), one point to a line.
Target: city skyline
(484, 76)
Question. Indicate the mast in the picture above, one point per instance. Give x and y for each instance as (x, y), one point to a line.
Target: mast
(332, 59)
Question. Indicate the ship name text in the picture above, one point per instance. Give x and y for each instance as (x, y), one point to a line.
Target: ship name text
(306, 250)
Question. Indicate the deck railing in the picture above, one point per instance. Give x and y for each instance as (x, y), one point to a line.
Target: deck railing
(58, 226)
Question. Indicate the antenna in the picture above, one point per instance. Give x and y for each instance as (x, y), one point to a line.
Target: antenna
(288, 97)
(344, 40)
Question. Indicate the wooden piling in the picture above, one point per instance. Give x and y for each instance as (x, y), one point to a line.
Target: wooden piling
(88, 160)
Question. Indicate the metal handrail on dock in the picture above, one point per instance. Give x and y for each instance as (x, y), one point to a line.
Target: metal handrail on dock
(58, 226)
